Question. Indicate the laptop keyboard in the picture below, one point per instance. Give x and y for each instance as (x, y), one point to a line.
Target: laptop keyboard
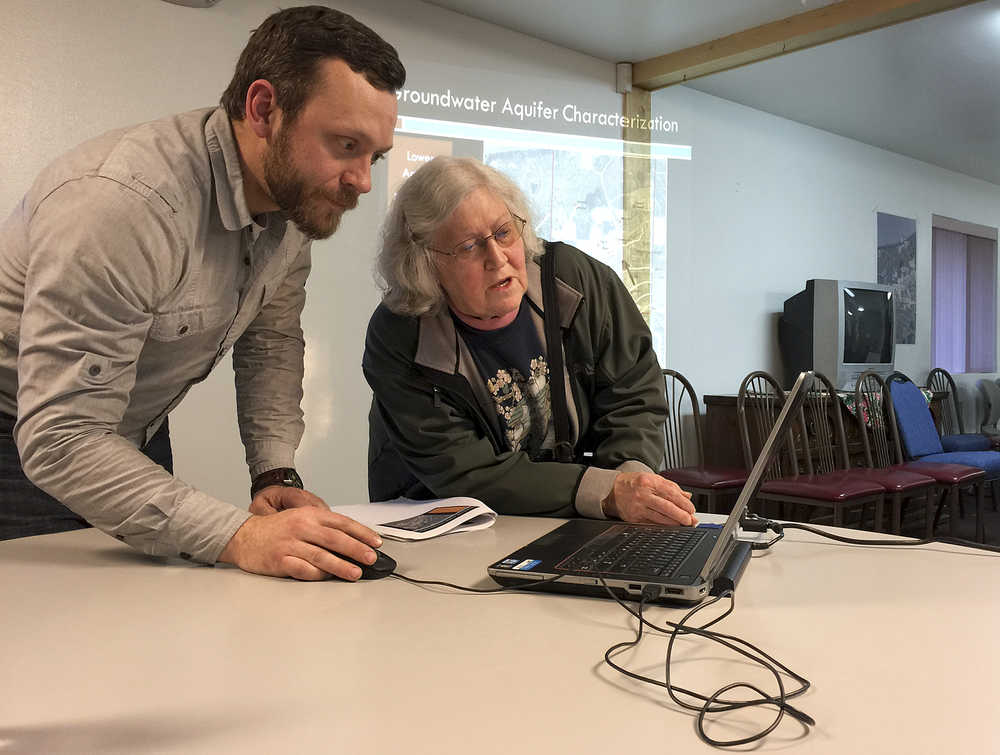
(634, 551)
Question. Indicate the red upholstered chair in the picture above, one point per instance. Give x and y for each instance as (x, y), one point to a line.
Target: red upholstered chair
(880, 435)
(898, 484)
(809, 472)
(684, 450)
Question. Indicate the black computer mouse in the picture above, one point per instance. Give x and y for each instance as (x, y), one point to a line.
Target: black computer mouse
(384, 565)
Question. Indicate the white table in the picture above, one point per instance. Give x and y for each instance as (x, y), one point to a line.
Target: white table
(106, 650)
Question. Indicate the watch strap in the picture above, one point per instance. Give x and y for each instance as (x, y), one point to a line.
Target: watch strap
(284, 476)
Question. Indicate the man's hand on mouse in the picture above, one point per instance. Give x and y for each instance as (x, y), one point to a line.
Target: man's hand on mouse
(301, 542)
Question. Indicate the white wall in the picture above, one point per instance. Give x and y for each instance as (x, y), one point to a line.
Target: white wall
(766, 203)
(74, 69)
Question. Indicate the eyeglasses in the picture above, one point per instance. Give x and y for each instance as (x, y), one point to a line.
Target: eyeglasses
(505, 236)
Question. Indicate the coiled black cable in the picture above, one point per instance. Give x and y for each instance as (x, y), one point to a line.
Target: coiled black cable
(714, 703)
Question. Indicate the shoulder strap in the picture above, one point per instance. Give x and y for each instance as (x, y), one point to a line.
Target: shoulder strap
(553, 347)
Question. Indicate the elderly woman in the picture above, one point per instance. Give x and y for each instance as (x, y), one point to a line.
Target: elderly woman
(457, 357)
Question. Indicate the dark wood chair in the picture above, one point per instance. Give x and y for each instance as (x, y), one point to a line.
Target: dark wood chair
(684, 450)
(991, 398)
(950, 475)
(809, 472)
(953, 435)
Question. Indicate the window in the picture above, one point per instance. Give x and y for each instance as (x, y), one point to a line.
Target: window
(963, 301)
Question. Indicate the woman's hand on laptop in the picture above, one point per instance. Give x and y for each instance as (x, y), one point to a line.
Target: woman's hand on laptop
(647, 498)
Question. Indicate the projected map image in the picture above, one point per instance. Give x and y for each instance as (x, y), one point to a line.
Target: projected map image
(576, 196)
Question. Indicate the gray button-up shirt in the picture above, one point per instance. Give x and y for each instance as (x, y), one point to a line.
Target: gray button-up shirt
(126, 273)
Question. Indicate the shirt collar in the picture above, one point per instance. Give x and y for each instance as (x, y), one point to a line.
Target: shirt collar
(227, 173)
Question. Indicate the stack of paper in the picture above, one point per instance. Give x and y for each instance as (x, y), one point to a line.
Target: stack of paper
(405, 519)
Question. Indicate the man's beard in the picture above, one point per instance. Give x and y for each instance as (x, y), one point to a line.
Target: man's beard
(312, 212)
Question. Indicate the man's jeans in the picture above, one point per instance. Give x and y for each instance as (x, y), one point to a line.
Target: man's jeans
(26, 510)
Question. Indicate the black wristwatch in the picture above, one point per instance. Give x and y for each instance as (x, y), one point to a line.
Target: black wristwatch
(284, 476)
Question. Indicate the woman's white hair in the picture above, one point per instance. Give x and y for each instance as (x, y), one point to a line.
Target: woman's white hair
(405, 271)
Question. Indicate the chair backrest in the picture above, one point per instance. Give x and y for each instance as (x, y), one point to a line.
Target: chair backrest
(913, 417)
(991, 392)
(940, 381)
(758, 405)
(876, 417)
(682, 443)
(824, 443)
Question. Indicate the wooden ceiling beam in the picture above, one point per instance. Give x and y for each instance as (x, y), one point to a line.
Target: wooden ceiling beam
(836, 21)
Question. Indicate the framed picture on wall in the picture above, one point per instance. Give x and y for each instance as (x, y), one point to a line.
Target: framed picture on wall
(896, 263)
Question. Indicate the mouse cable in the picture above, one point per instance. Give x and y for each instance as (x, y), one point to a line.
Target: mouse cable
(714, 703)
(508, 588)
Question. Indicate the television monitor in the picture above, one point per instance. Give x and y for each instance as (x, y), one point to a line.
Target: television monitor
(839, 328)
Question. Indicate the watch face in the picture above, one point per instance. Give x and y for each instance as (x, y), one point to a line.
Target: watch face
(292, 479)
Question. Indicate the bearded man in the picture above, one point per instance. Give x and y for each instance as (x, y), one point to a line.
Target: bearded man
(140, 258)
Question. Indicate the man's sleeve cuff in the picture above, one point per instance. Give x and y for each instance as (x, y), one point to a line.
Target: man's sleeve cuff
(595, 485)
(200, 528)
(634, 466)
(266, 455)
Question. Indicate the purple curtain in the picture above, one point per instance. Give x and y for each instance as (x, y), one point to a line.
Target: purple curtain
(963, 302)
(981, 305)
(948, 300)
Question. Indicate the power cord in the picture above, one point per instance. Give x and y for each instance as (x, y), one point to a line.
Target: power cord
(710, 703)
(714, 703)
(753, 523)
(750, 522)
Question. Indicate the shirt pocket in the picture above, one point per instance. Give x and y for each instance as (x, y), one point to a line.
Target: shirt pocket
(173, 326)
(96, 370)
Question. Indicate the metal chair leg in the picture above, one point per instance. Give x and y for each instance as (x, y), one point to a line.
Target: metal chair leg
(945, 494)
(929, 519)
(980, 514)
(953, 511)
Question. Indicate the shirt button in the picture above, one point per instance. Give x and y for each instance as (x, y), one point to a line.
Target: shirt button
(246, 260)
(94, 370)
(182, 330)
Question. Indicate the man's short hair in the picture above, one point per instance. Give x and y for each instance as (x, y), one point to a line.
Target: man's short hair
(288, 47)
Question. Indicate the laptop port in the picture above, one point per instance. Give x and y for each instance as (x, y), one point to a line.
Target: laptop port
(635, 588)
(674, 591)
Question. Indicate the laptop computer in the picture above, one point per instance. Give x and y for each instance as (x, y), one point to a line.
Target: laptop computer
(683, 564)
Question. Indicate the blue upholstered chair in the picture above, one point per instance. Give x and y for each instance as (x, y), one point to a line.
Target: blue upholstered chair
(920, 438)
(922, 444)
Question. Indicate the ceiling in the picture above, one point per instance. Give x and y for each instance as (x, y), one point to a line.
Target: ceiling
(926, 88)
